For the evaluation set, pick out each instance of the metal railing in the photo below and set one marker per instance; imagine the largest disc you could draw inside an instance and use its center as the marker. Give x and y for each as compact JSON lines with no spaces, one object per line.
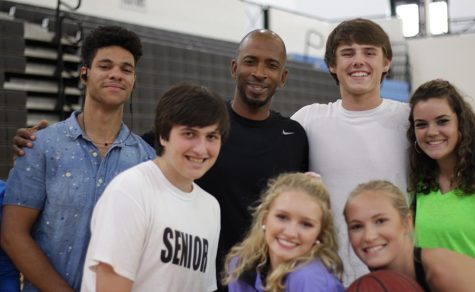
{"x":60,"y":16}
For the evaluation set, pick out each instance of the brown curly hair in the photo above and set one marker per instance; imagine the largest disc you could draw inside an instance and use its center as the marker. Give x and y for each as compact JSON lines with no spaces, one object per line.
{"x":423,"y":172}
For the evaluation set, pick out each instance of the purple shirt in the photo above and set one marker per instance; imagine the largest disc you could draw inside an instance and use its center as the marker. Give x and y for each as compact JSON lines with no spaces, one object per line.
{"x":311,"y":277}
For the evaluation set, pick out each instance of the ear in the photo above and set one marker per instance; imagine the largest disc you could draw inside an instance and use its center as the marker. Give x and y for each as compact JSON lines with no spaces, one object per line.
{"x":82,"y":74}
{"x":234,"y":69}
{"x":283,"y":78}
{"x":409,"y":224}
{"x":163,"y":141}
{"x":332,"y":69}
{"x":387,"y":65}
{"x":264,"y":219}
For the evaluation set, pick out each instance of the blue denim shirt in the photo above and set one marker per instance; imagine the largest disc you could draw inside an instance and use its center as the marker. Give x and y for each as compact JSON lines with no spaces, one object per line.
{"x":9,"y":276}
{"x":63,"y":175}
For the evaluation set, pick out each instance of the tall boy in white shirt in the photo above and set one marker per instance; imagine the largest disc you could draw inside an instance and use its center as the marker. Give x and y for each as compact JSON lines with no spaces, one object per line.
{"x":361,"y":136}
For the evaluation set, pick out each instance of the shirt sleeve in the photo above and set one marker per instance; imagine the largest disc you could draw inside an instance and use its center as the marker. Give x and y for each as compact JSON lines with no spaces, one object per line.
{"x":300,"y":116}
{"x":211,"y":273}
{"x":118,"y":230}
{"x":313,"y":278}
{"x":26,"y":184}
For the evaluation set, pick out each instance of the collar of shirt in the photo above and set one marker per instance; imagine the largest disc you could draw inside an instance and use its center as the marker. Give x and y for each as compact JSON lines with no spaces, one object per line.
{"x":75,"y":131}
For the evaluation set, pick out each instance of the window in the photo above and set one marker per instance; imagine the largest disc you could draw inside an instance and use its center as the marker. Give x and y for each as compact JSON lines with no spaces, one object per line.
{"x":438,"y":18}
{"x":411,"y":24}
{"x":409,"y":13}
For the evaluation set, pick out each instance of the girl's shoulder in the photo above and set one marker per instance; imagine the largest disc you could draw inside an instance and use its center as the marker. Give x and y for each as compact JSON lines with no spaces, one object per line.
{"x":312,"y":276}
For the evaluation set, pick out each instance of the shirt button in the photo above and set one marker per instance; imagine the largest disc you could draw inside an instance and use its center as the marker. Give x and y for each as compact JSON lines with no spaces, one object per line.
{"x":94,"y":154}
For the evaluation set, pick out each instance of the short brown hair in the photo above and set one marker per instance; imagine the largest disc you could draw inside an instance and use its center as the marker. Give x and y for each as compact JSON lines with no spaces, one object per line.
{"x":358,"y":30}
{"x":189,"y":105}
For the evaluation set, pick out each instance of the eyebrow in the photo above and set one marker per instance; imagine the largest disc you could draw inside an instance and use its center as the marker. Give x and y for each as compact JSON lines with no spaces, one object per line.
{"x":266,"y":60}
{"x":364,"y":47}
{"x":377,"y":215}
{"x":301,"y":217}
{"x":346,"y":50}
{"x":372,"y":217}
{"x":438,"y":117}
{"x":215,"y":131}
{"x":106,"y":60}
{"x":196,"y":129}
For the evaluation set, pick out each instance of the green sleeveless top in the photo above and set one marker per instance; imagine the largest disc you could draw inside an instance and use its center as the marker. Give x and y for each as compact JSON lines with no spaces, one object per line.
{"x":447,"y":221}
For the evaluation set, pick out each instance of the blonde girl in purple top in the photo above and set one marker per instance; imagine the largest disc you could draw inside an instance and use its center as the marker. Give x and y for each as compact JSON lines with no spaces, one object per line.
{"x":291,"y":245}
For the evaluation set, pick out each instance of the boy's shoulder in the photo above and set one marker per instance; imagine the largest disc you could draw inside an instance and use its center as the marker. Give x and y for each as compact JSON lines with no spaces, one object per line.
{"x":205,"y":196}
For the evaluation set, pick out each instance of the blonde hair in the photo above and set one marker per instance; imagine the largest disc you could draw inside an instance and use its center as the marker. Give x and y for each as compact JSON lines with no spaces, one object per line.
{"x":387,"y":189}
{"x":253,"y":250}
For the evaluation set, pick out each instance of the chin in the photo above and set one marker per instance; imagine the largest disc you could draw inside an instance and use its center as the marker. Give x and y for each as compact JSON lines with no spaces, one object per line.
{"x":375,"y":265}
{"x":199,"y":174}
{"x":256,"y":102}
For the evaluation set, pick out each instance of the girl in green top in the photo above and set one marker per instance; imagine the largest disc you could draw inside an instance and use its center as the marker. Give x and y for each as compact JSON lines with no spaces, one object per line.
{"x":442,"y":167}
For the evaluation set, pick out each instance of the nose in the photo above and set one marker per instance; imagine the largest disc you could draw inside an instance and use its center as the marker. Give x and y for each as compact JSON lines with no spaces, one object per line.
{"x":290,"y":230}
{"x":115,"y":73}
{"x":260,"y":71}
{"x":369,"y":234}
{"x":432,"y":130}
{"x":200,"y":146}
{"x":358,"y":59}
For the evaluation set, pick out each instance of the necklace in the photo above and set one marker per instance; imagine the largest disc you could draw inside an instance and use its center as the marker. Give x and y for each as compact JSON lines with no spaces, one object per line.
{"x":98,"y":144}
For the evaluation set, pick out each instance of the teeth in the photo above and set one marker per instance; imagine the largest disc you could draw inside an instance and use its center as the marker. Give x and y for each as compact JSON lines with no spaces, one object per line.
{"x":435,"y":142}
{"x":257,"y":87}
{"x":286,"y":243}
{"x":359,"y":74}
{"x":197,"y":160}
{"x":373,"y":248}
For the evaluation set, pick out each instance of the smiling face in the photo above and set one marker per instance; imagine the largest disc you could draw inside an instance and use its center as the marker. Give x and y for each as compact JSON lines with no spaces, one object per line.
{"x":293,"y":225}
{"x":436,"y":129}
{"x":111,"y":78}
{"x":378,"y":234}
{"x":359,"y":68}
{"x":188,"y":153}
{"x":259,"y":69}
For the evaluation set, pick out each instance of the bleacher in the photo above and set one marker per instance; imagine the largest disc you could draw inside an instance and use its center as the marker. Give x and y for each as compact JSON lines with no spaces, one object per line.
{"x":27,"y":71}
{"x":12,"y":103}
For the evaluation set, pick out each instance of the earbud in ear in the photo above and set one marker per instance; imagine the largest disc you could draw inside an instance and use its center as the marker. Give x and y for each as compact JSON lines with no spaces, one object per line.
{"x":84,"y":76}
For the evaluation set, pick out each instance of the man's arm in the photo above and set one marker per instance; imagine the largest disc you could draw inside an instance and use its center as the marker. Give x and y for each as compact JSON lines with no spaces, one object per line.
{"x":107,"y":280}
{"x":25,"y":136}
{"x":25,"y":253}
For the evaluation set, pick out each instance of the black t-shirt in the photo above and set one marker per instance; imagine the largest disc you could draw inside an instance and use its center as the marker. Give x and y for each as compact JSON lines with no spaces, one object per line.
{"x":254,"y":152}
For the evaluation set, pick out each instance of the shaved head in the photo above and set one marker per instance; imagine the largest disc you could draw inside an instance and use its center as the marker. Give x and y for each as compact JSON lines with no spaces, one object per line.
{"x":262,"y":34}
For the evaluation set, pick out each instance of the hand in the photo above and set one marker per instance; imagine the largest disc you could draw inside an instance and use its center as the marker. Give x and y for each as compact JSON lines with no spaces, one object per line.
{"x":25,"y":136}
{"x":314,"y":175}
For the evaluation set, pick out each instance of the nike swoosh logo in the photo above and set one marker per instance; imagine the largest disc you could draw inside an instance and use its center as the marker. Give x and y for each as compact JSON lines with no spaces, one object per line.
{"x":287,"y":133}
